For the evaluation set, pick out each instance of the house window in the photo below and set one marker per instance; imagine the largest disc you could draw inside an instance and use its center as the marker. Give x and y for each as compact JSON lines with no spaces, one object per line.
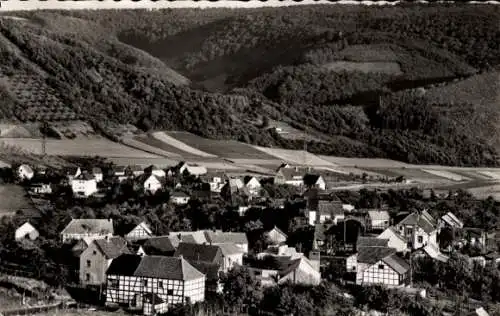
{"x":94,"y":252}
{"x":170,"y":292}
{"x":114,"y":284}
{"x":145,"y":282}
{"x":160,"y":284}
{"x":420,"y":239}
{"x":381,"y":266}
{"x":88,"y":263}
{"x":87,"y":277}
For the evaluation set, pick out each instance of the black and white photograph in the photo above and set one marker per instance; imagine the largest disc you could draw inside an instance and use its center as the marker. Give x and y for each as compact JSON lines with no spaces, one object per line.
{"x":249,"y":158}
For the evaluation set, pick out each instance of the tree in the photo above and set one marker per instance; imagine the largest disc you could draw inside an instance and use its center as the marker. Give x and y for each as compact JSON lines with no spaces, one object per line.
{"x":241,"y":289}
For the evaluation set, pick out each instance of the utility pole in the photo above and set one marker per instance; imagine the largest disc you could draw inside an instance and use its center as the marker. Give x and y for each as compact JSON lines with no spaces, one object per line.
{"x":44,"y":138}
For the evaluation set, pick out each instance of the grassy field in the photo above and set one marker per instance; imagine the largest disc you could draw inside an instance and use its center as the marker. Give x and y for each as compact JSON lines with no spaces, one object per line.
{"x":174,"y":139}
{"x":143,"y":143}
{"x":446,"y":174}
{"x":77,"y":147}
{"x":380,"y":67}
{"x":223,"y":148}
{"x":82,"y":312}
{"x":295,"y":156}
{"x":13,"y":198}
{"x":364,"y":162}
{"x":152,"y":141}
{"x":409,"y":174}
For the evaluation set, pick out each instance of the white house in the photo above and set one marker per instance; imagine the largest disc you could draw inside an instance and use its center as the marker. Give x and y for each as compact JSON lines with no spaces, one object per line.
{"x":396,"y":240}
{"x":378,"y":219}
{"x":25,"y":172}
{"x":253,"y":185}
{"x":192,"y":169}
{"x":41,"y":188}
{"x":216,"y":184}
{"x":219,"y":237}
{"x":26,"y":231}
{"x":290,"y":176}
{"x":419,"y":229}
{"x":154,"y":170}
{"x":301,"y":271}
{"x":231,"y":256}
{"x":84,"y":185}
{"x":150,"y":183}
{"x":179,"y":198}
{"x":87,"y":228}
{"x":450,"y":220}
{"x":326,"y":211}
{"x":140,"y":232}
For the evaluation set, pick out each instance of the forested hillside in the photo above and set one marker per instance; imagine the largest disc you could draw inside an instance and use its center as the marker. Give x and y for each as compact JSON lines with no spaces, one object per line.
{"x":378,"y":81}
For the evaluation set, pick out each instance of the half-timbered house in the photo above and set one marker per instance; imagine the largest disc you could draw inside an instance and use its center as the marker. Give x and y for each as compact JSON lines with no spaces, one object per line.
{"x":140,"y":232}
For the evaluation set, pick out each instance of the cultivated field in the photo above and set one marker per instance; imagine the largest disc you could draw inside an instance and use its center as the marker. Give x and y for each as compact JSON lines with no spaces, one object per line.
{"x":143,"y":143}
{"x":174,"y":139}
{"x":366,"y":67}
{"x":13,"y":198}
{"x":77,"y":147}
{"x":223,"y":148}
{"x":364,"y":162}
{"x":295,"y":156}
{"x":447,"y":175}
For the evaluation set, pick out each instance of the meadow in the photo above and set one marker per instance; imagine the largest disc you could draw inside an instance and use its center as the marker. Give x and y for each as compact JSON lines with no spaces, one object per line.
{"x":392,"y":68}
{"x":13,"y":198}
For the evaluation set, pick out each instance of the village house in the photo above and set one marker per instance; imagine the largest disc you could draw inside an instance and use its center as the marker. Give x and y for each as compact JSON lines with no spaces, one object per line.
{"x":97,"y":173}
{"x":290,"y":176}
{"x":192,"y":169}
{"x":26,"y":231}
{"x":25,"y":172}
{"x":134,"y":171}
{"x":179,"y":198}
{"x":212,"y":275}
{"x":199,"y":252}
{"x":84,"y":185}
{"x":275,"y":236}
{"x":314,"y":181}
{"x":232,"y":256}
{"x":171,"y":279}
{"x":120,"y":173}
{"x":235,"y":187}
{"x":378,"y":220}
{"x":90,"y":228}
{"x":219,"y":237}
{"x":139,"y":232}
{"x":150,"y":183}
{"x":326,"y":211}
{"x":324,"y":237}
{"x":395,"y":240}
{"x":216,"y":183}
{"x":80,"y":245}
{"x":474,"y":237}
{"x":154,"y":170}
{"x":253,"y":185}
{"x":418,"y":229}
{"x":95,"y":260}
{"x":198,"y":237}
{"x":430,"y":251}
{"x":378,"y":266}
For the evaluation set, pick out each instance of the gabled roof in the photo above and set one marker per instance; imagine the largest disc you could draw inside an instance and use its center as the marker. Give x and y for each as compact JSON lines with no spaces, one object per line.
{"x":86,"y":226}
{"x":372,"y":242}
{"x":450,"y":219}
{"x":210,"y":270}
{"x":247,"y":179}
{"x":27,"y":225}
{"x":293,"y":173}
{"x":142,"y":224}
{"x":145,"y":176}
{"x":226,"y":237}
{"x":198,"y":236}
{"x":279,"y":231}
{"x":372,"y":255}
{"x":379,"y":215}
{"x":422,"y":220}
{"x":112,"y":247}
{"x":294,"y":264}
{"x":394,"y":232}
{"x":434,"y":253}
{"x":169,"y":268}
{"x":159,"y":245}
{"x":311,"y":179}
{"x":125,"y":264}
{"x":198,"y":252}
{"x":396,"y":263}
{"x":229,"y":249}
{"x":188,"y":239}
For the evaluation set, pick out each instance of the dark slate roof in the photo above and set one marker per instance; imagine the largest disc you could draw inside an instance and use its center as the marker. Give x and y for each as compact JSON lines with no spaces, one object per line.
{"x":371,"y":242}
{"x":189,"y":239}
{"x":371,"y":255}
{"x":311,"y":179}
{"x":84,"y":226}
{"x":85,"y":176}
{"x":226,"y":237}
{"x":293,"y":173}
{"x":397,"y":263}
{"x":159,"y":245}
{"x":330,"y":207}
{"x":210,"y":270}
{"x":229,"y":249}
{"x":421,"y":220}
{"x":112,"y":247}
{"x":197,"y":252}
{"x":125,"y":264}
{"x":292,"y":265}
{"x":169,"y":268}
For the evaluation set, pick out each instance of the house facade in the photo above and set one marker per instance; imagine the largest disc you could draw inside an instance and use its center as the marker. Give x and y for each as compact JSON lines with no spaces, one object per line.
{"x":275,"y":236}
{"x":41,"y":188}
{"x":418,"y":229}
{"x":95,"y":260}
{"x":253,"y":185}
{"x":25,"y":172}
{"x":378,"y":220}
{"x":314,"y":181}
{"x":231,"y":256}
{"x":26,"y":231}
{"x":179,"y":198}
{"x":300,"y":271}
{"x":98,"y":175}
{"x":194,"y":170}
{"x":151,"y":184}
{"x":173,"y":280}
{"x":84,"y":185}
{"x":140,"y":232}
{"x":219,"y":237}
{"x":395,"y":240}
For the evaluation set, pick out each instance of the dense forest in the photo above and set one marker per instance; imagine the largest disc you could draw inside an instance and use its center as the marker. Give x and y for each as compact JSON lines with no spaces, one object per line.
{"x":348,"y":72}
